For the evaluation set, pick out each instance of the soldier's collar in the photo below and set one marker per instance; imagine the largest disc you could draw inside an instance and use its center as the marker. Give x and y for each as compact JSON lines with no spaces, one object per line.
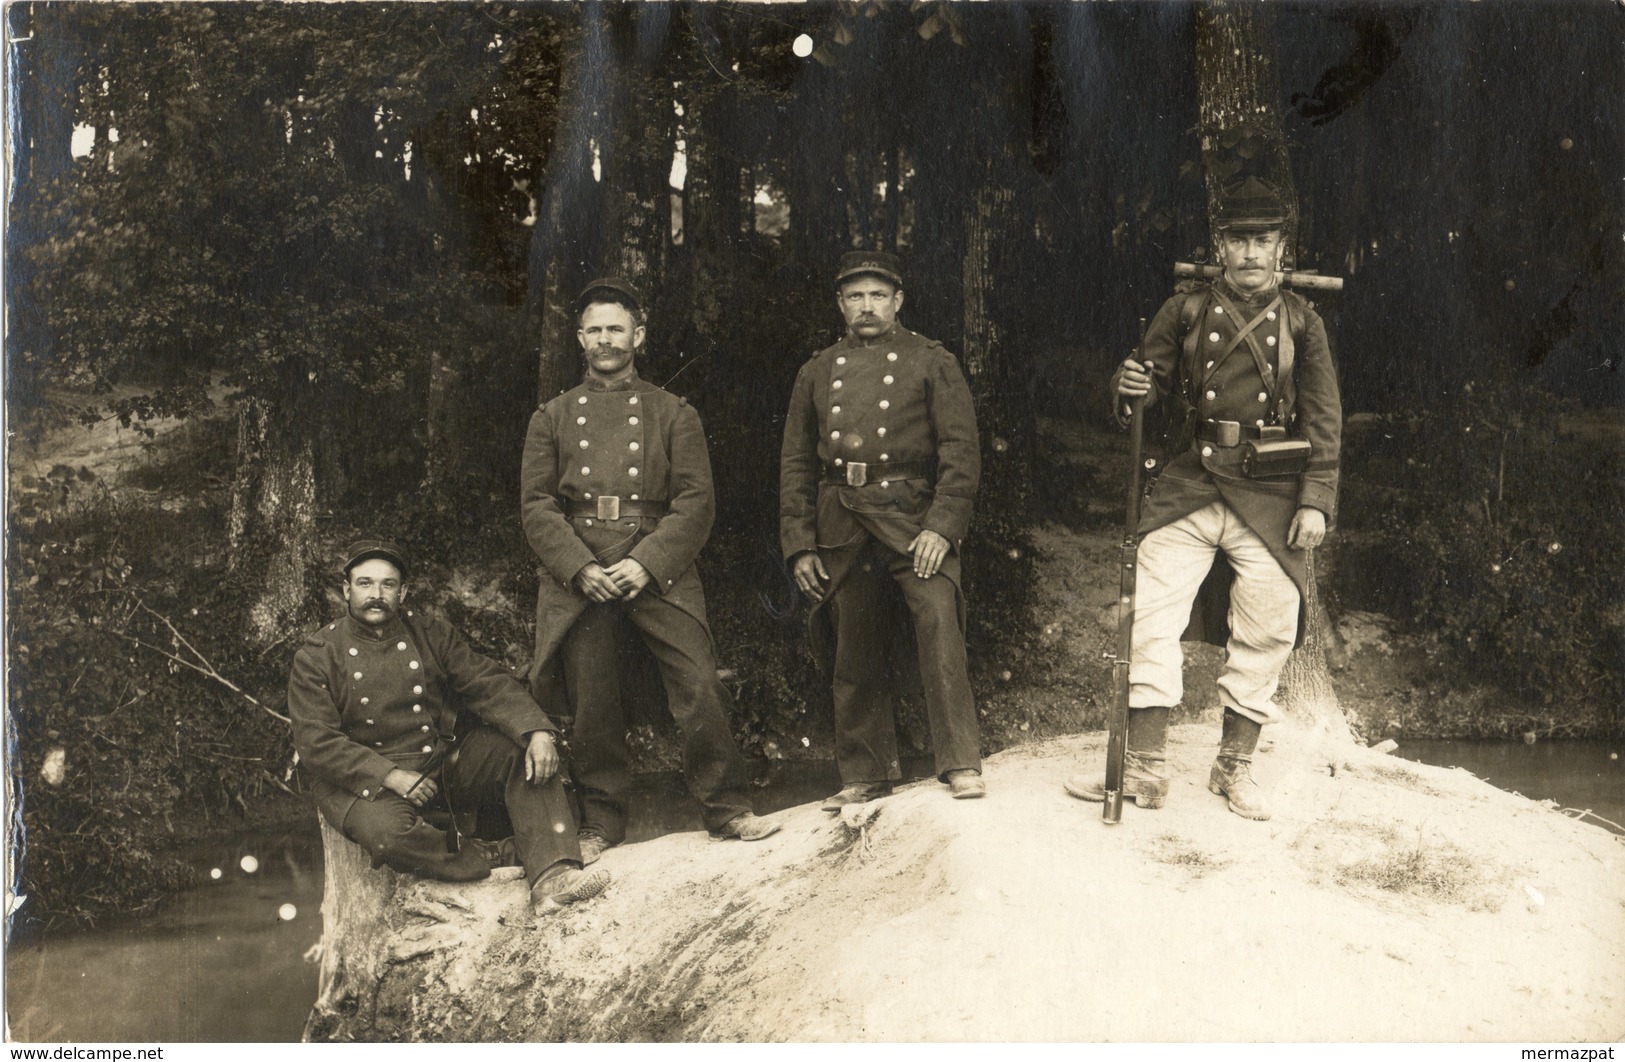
{"x":631,"y":382}
{"x":888,"y":336}
{"x":367,"y":632}
{"x":1255,"y":301}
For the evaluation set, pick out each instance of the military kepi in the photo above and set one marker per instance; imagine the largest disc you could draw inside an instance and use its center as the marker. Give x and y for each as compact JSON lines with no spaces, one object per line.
{"x":604,"y":285}
{"x":368,"y":548}
{"x":879,"y":263}
{"x":1251,"y":204}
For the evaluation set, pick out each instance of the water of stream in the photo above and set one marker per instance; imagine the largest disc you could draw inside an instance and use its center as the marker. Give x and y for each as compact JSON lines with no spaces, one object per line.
{"x":224,"y":962}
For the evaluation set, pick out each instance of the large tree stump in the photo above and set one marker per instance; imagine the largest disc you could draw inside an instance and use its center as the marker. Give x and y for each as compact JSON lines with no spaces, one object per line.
{"x":354,"y":933}
{"x":381,"y":931}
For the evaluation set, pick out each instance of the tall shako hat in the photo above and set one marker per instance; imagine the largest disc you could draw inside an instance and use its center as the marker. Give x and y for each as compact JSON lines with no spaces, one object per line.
{"x":620,"y":286}
{"x":368,"y":548}
{"x":1251,"y":204}
{"x":879,"y":263}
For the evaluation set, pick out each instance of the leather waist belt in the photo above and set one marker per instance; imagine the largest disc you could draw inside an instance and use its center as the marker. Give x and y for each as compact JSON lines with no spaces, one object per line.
{"x":1227,"y":432}
{"x":610,"y":507}
{"x":858,"y":473}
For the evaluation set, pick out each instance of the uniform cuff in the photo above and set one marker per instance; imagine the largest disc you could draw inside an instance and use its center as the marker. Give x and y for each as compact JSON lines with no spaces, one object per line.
{"x":1318,"y":496}
{"x":372,"y":788}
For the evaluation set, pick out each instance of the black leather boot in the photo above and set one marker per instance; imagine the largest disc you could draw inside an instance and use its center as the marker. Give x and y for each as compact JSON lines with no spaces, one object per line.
{"x":1145,"y":763}
{"x":1232,"y":774}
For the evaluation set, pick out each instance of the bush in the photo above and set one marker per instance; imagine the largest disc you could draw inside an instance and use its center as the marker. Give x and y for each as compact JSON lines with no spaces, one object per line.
{"x":121,"y":746}
{"x":1490,"y":530}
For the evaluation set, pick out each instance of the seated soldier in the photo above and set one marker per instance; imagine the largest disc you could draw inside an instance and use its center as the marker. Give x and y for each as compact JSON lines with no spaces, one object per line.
{"x":374,"y":697}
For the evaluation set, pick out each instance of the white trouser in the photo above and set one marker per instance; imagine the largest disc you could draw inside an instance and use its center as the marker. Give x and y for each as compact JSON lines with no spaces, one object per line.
{"x":1173,"y":561}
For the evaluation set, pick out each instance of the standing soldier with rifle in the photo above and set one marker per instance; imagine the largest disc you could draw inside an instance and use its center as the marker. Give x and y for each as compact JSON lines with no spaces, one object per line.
{"x":1229,"y":524}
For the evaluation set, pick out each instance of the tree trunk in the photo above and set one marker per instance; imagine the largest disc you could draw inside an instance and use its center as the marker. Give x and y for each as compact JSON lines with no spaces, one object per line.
{"x":567,"y":222}
{"x":355,"y":932}
{"x":993,"y":234}
{"x":712,"y":220}
{"x":1239,"y":113}
{"x":1242,"y":135}
{"x":271,"y":530}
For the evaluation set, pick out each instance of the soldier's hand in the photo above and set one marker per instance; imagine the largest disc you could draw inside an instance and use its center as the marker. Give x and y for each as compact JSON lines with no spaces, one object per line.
{"x":1133,"y":379}
{"x":594,"y":582}
{"x":417,"y":789}
{"x":1308,"y":528}
{"x":541,"y":757}
{"x":629,"y":576}
{"x":810,"y":575}
{"x":929,"y":549}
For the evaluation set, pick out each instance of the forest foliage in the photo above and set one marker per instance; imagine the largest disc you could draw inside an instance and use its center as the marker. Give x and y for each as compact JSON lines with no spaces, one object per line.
{"x":362,"y":225}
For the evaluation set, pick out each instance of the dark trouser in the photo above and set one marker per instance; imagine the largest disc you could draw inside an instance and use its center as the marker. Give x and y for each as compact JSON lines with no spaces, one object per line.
{"x":487,"y":769}
{"x":600,"y":760}
{"x":865,"y":715}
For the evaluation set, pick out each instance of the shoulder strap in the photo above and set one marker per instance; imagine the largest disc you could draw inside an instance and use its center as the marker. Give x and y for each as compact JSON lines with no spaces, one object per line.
{"x":1190,"y":311}
{"x":1287,"y":393}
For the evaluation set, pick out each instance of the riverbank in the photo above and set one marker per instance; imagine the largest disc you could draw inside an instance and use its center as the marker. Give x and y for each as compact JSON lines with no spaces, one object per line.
{"x":217,"y":962}
{"x":1385,"y":901}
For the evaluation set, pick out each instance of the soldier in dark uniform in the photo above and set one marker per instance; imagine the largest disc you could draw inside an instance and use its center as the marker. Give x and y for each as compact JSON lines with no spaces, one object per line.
{"x":374,"y":698}
{"x":877,"y":478}
{"x":1246,"y":360}
{"x":616,"y":498}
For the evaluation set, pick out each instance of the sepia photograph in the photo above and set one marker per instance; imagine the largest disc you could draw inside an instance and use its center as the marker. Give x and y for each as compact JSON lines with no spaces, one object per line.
{"x":880,"y":522}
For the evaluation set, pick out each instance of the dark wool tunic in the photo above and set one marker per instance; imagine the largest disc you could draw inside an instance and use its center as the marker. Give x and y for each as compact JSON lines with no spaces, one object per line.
{"x":630,"y":440}
{"x":366,"y":700}
{"x":895,"y":402}
{"x":1232,"y":388}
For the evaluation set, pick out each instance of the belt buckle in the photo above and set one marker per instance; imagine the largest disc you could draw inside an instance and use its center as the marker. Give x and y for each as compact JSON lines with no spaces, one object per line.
{"x":1229,"y":432}
{"x":857,"y":473}
{"x":609,"y":507}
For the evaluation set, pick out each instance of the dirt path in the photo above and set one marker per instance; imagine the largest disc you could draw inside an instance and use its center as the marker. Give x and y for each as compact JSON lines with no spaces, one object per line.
{"x":1385,"y":901}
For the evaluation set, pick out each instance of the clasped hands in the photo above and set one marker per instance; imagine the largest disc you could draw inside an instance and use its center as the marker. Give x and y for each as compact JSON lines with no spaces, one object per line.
{"x":620,"y":581}
{"x":929,"y":550}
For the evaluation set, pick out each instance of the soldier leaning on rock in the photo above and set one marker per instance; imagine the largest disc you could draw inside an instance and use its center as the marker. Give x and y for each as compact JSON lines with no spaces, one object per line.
{"x":616,"y":500}
{"x":1249,"y":363}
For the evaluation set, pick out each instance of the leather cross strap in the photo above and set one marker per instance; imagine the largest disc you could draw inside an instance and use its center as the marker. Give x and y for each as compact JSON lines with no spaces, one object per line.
{"x":1244,"y":335}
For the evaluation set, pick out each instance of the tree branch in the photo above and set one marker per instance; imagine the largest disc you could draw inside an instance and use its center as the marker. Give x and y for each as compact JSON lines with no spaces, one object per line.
{"x":204,"y":668}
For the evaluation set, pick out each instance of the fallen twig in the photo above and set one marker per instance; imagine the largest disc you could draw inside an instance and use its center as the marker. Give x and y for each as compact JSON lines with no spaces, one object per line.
{"x":1581,"y":813}
{"x":277,"y":782}
{"x":208,"y":672}
{"x":206,"y":669}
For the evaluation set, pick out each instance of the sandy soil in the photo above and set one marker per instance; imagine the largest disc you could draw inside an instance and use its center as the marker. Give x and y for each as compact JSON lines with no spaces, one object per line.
{"x":1385,"y":901}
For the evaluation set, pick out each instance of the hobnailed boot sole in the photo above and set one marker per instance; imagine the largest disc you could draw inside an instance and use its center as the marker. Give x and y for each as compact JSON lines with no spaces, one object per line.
{"x":573,"y":886}
{"x":1219,"y":783}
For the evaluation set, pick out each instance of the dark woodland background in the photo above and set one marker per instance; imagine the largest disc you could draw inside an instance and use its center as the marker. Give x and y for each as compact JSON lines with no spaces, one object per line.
{"x":341,"y":240}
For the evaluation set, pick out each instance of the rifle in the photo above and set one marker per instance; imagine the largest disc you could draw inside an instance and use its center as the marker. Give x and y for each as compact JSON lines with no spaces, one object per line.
{"x":1111,"y":812}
